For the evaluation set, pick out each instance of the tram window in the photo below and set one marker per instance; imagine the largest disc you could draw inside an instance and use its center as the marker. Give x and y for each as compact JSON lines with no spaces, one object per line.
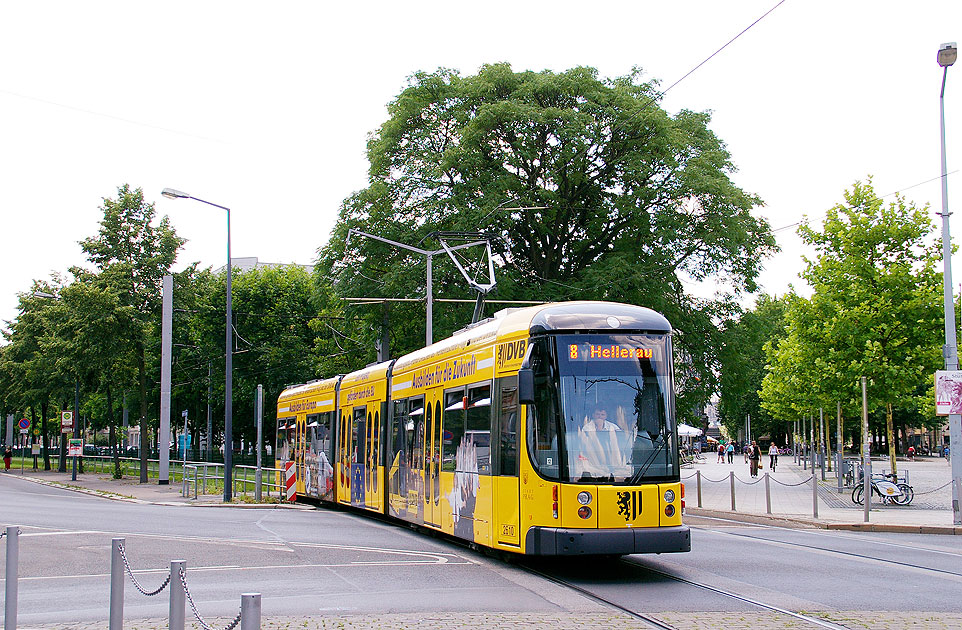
{"x":452,"y":427}
{"x":324,"y":421}
{"x":414,"y":427}
{"x":543,"y":427}
{"x":507,"y":429}
{"x":478,"y":425}
{"x":359,"y":454}
{"x":397,"y":434}
{"x":283,"y":445}
{"x":311,"y":426}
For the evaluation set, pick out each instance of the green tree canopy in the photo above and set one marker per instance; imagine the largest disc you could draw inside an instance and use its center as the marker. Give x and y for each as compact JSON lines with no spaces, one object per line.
{"x":875,"y":310}
{"x":742,"y":359}
{"x":131,"y":255}
{"x":589,"y":188}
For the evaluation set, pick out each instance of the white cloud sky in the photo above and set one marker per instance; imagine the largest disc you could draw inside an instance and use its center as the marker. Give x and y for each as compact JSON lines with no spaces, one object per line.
{"x":265,"y":107}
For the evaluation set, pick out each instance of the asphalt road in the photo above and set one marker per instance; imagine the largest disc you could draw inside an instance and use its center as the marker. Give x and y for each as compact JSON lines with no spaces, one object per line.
{"x":312,"y":562}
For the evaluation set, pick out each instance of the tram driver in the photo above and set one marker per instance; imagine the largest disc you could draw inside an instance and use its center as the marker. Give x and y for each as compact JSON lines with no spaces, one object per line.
{"x":601,"y":443}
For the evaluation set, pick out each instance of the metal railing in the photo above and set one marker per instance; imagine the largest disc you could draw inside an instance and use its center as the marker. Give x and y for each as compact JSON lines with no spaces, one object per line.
{"x":203,"y":479}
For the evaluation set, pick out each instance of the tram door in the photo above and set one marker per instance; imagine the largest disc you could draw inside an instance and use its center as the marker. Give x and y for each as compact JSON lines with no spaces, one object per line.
{"x":344,"y":457}
{"x":372,"y":458}
{"x":359,"y":450}
{"x":432,"y":459}
{"x":506,"y":493}
{"x":299,"y":448}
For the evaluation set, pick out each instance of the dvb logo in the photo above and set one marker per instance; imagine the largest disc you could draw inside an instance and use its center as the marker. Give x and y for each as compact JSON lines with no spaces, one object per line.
{"x":510,"y":353}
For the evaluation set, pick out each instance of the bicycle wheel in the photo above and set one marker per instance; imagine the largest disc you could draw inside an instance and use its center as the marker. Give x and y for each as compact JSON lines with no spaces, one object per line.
{"x":907,"y":494}
{"x":857,"y":494}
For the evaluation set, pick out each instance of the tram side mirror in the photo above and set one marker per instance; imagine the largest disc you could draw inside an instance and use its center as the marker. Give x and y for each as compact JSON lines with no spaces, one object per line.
{"x":526,"y":386}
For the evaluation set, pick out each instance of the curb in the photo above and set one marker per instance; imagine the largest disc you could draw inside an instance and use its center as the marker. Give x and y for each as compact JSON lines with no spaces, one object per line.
{"x":948,"y":530}
{"x":783,"y":521}
{"x":113,"y":496}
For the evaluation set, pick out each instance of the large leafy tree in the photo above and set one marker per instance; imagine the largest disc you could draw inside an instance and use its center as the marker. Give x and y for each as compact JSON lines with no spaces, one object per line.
{"x":131,"y":255}
{"x":89,"y":343}
{"x":742,"y":359}
{"x":29,"y":375}
{"x":589,"y":189}
{"x":273,"y":311}
{"x":875,"y":310}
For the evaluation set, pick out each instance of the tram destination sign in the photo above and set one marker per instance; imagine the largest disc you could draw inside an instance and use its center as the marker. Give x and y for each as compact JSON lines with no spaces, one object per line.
{"x":607,"y":352}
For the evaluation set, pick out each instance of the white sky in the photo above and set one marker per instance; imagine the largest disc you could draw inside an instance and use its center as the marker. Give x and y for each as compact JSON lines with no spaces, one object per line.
{"x":265,"y":107}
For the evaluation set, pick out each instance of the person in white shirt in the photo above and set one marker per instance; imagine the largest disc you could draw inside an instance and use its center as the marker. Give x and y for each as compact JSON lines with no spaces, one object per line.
{"x":772,"y":456}
{"x":601,"y":454}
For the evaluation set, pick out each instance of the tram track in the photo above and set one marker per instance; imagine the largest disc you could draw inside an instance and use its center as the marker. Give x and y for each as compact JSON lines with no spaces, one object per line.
{"x":654,"y":622}
{"x":848,"y":554}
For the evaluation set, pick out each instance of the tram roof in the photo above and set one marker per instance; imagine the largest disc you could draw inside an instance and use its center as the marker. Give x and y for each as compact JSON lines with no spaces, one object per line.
{"x":596,"y":316}
{"x":314,"y":387}
{"x":542,"y":318}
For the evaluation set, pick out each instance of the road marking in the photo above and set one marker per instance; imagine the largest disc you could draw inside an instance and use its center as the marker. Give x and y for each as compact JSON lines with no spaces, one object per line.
{"x":276,"y":567}
{"x":61,"y":533}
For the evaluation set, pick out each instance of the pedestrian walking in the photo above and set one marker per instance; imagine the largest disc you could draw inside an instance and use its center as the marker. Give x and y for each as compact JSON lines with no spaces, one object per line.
{"x":721,"y":453}
{"x":772,"y":456}
{"x":730,"y":451}
{"x":7,"y":456}
{"x":754,"y":456}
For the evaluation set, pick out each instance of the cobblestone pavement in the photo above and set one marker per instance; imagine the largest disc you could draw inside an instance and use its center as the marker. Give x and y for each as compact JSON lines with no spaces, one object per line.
{"x":860,"y":620}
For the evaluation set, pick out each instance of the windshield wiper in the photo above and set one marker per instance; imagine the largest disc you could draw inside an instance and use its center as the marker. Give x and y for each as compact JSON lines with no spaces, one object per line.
{"x":640,"y":473}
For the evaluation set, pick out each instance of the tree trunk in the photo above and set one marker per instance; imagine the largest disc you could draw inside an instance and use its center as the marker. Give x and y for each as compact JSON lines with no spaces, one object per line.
{"x":142,"y":379}
{"x":45,"y":436}
{"x":839,"y":434}
{"x":889,"y":437}
{"x":62,"y":462}
{"x":112,"y":433}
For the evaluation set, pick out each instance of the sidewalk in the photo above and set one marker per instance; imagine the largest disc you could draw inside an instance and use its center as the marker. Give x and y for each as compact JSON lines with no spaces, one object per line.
{"x":130,"y":489}
{"x":791,"y":496}
{"x":790,"y":486}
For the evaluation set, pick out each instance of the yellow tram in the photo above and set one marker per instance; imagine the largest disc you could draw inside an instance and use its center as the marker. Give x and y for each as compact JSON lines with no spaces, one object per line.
{"x":546,"y":430}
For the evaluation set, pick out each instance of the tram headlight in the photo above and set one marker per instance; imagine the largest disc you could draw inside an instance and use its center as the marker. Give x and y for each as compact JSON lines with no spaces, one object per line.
{"x":669,"y":510}
{"x":584,"y":497}
{"x":669,"y":496}
{"x":584,"y":511}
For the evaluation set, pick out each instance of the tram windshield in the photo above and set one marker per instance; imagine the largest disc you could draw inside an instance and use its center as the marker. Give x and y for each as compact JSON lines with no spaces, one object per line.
{"x":616,"y":421}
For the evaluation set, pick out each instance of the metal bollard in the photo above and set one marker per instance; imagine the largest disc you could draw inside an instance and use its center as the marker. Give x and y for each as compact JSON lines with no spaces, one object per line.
{"x":250,"y":611}
{"x":178,"y":598}
{"x":13,"y":561}
{"x":814,"y":495}
{"x":768,"y":495}
{"x":698,"y":485}
{"x":116,"y":585}
{"x":731,"y":477}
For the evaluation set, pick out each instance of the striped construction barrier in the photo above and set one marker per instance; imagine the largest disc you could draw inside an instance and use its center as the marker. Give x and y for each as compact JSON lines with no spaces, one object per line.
{"x":291,"y":481}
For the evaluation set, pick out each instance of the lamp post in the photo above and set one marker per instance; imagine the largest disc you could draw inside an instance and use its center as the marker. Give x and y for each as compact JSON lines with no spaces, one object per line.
{"x":170,"y":193}
{"x":947,"y":56}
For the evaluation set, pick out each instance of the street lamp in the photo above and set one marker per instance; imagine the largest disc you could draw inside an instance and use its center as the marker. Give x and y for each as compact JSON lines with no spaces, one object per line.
{"x":170,"y":193}
{"x":947,"y":56}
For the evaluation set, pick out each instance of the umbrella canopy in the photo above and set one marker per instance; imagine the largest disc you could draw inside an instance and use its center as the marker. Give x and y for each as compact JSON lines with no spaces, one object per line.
{"x":687,"y":430}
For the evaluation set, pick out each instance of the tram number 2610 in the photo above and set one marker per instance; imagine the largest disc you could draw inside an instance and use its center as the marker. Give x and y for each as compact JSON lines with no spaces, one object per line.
{"x":507,"y":530}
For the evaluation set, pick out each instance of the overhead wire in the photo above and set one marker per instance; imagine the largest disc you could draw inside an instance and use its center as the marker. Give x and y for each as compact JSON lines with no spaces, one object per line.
{"x":895,"y":192}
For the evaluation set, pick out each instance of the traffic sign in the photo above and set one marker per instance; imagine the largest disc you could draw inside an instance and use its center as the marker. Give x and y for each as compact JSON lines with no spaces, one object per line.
{"x":66,"y":422}
{"x":24,"y":423}
{"x":75,"y":448}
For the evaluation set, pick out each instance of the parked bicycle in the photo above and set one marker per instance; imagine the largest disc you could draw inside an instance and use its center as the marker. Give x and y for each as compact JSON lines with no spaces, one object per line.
{"x":888,"y":488}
